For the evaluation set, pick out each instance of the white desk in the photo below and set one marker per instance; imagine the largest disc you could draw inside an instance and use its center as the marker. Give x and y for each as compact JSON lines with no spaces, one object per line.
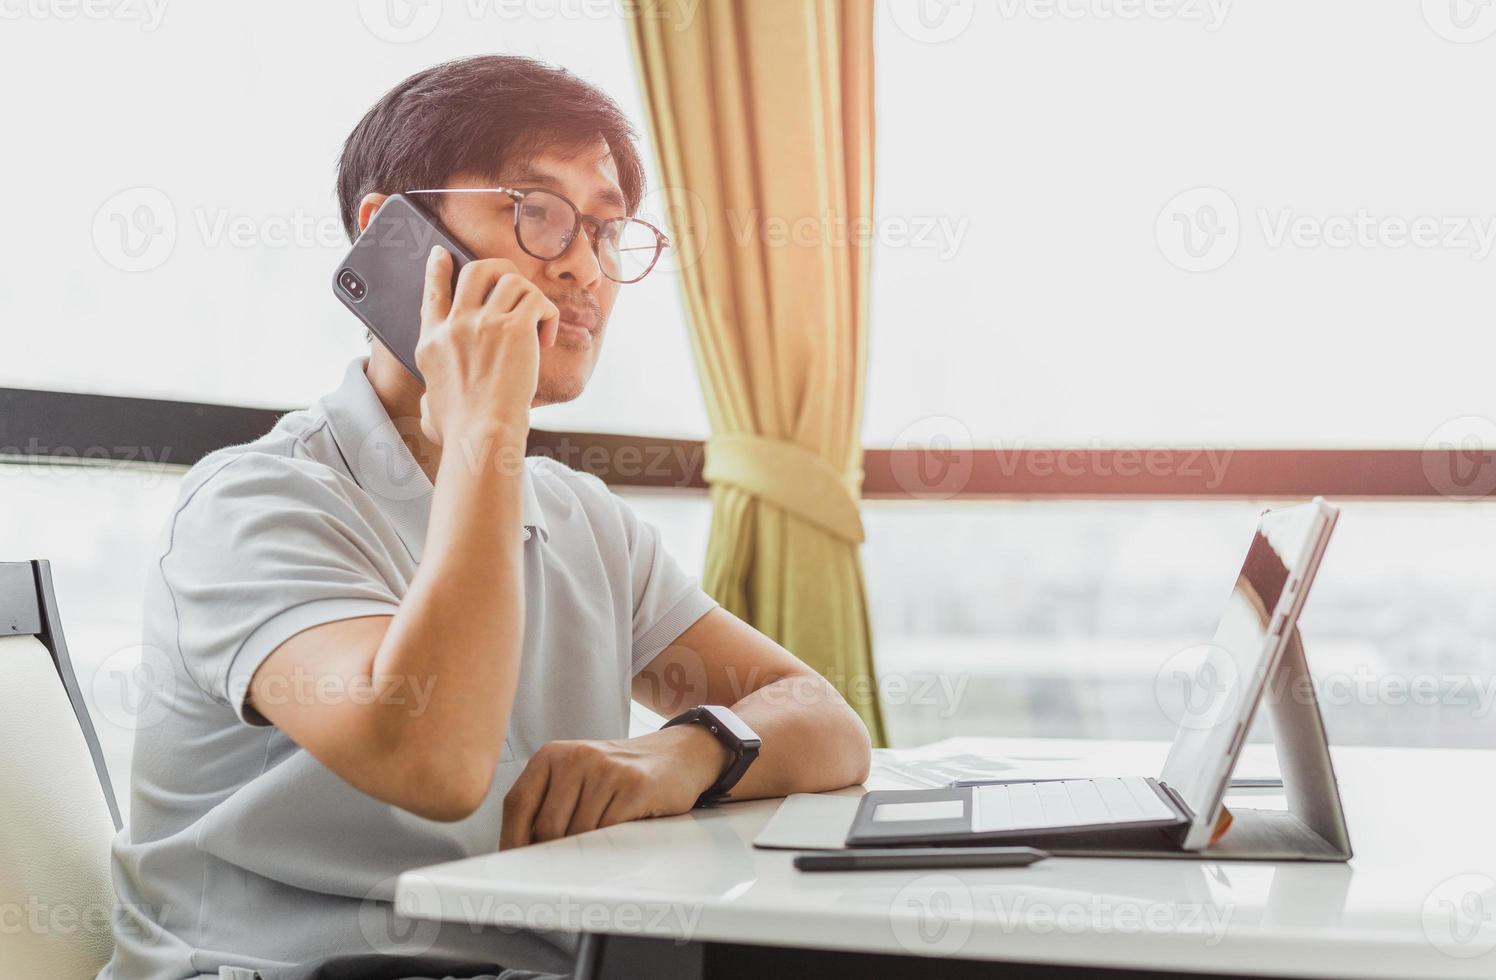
{"x":1418,"y":899}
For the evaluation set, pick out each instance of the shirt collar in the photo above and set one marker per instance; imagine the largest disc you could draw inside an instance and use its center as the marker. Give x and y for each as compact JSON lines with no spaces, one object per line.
{"x":382,"y":465}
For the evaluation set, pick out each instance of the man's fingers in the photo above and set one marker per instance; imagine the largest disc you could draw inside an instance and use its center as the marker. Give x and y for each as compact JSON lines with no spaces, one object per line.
{"x":520,"y":804}
{"x":535,"y":308}
{"x":477,"y":279}
{"x":436,"y":300}
{"x":594,"y":801}
{"x":561,"y":796}
{"x":550,"y":324}
{"x":620,"y":809}
{"x":509,"y":291}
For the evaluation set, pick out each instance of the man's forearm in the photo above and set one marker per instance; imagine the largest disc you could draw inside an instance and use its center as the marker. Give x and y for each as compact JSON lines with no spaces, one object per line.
{"x":812,"y":739}
{"x":461,"y":626}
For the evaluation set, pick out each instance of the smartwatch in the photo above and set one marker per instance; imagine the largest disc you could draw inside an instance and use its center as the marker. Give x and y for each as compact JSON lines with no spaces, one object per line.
{"x":742,"y":741}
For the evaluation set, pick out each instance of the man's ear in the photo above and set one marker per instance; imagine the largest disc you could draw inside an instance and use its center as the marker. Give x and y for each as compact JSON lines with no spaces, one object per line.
{"x":367,"y":207}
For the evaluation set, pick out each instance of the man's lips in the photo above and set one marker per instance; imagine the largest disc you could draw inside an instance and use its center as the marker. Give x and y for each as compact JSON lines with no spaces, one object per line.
{"x":579,"y":320}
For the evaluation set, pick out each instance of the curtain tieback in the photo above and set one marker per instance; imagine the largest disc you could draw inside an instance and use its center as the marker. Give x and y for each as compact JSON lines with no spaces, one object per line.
{"x":790,"y":477}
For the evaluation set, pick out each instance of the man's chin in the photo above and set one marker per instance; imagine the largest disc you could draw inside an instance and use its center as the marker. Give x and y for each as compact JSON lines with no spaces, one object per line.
{"x":565,"y":369}
{"x":553,"y":388}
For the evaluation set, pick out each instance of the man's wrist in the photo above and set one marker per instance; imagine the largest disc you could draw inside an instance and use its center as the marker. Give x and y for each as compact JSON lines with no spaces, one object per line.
{"x":494,"y":446}
{"x":703,"y":758}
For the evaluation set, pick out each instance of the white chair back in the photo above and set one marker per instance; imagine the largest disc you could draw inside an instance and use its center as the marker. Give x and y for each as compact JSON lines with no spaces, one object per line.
{"x":57,"y":810}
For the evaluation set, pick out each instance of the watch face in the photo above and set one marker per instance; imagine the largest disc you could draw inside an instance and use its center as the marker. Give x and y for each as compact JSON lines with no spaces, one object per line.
{"x":733,"y":725}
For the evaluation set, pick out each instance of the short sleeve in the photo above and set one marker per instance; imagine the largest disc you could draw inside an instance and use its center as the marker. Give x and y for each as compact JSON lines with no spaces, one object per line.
{"x":666,"y":599}
{"x":259,"y":550}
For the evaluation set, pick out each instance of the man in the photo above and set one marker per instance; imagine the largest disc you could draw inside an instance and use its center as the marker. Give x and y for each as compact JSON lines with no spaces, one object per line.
{"x":388,"y":640}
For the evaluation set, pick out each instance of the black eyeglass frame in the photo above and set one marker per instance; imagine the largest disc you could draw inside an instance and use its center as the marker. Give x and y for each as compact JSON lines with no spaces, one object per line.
{"x":593,"y":223}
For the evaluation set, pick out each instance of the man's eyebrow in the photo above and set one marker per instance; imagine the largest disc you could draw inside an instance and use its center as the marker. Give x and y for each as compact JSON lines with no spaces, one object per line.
{"x":535,"y":178}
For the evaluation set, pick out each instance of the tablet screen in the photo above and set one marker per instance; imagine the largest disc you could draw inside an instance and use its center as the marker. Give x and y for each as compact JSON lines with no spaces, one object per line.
{"x":1210,"y":691}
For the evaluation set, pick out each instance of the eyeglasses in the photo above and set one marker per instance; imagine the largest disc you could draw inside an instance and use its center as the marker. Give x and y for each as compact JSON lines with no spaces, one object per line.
{"x":546,"y":223}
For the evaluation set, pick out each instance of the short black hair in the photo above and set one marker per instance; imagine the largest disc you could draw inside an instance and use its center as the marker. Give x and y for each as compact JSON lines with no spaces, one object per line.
{"x":478,"y":115}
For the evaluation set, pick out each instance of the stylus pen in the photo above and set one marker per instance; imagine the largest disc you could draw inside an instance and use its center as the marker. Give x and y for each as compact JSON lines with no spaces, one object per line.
{"x":909,"y":858}
{"x":1243,"y":782}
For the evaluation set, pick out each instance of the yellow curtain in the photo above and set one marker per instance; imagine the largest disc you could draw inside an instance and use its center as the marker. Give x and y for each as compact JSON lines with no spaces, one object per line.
{"x":762,"y":113}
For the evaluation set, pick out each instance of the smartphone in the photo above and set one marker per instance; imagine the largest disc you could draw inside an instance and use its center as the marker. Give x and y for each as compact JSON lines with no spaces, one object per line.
{"x":383,"y":276}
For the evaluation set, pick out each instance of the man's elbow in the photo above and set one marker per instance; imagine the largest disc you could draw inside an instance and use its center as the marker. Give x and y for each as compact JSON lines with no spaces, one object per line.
{"x":860,"y":751}
{"x":424,"y":773}
{"x":447,"y":793}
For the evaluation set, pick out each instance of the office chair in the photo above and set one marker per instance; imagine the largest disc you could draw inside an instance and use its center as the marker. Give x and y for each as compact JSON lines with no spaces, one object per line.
{"x":57,"y":809}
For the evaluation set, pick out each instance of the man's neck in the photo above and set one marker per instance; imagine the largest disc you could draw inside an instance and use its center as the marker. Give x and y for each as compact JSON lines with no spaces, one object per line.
{"x":400,"y":394}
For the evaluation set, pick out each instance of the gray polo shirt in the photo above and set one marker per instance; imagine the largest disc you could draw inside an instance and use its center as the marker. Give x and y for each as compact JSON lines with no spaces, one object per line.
{"x":242,"y":849}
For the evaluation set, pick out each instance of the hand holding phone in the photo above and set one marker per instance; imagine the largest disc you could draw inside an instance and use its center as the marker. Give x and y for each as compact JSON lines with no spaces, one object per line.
{"x":479,"y":348}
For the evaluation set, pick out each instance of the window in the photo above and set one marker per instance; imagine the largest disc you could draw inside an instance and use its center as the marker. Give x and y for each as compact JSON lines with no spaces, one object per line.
{"x":1221,"y":225}
{"x":1037,"y":167}
{"x":1060,"y":617}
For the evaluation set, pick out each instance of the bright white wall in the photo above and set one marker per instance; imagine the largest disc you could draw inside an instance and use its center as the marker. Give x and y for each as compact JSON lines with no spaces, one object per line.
{"x":218,"y":127}
{"x":1055,"y":134}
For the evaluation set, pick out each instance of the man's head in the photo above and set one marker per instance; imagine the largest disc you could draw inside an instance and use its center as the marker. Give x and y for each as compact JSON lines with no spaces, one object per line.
{"x":501,"y":120}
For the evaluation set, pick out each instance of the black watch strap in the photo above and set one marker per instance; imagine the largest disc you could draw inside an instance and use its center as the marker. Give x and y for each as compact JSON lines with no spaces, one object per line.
{"x":742,"y":741}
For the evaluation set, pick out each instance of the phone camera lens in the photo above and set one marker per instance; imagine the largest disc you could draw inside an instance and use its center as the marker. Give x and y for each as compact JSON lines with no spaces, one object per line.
{"x":351,"y":284}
